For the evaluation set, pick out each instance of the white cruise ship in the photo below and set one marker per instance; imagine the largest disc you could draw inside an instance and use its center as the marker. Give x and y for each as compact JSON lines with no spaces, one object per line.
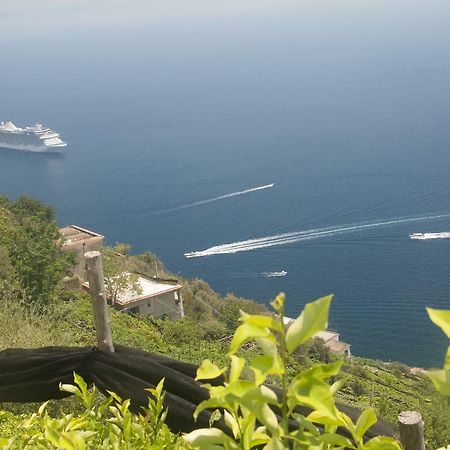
{"x":33,"y":139}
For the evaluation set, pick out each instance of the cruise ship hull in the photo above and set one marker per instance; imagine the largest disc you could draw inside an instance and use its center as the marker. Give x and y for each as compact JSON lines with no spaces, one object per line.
{"x":60,"y":148}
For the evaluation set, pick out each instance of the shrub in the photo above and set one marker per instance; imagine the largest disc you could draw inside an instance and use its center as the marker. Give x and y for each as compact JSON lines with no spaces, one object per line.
{"x":107,"y":425}
{"x":399,"y":369}
{"x":246,"y":404}
{"x":182,"y":331}
{"x":357,"y":388}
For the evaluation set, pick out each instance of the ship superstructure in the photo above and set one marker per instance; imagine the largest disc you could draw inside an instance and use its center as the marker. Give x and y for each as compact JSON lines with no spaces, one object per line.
{"x":36,"y":138}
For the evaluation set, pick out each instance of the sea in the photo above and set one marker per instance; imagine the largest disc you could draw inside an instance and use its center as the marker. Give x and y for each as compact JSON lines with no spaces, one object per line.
{"x":286,"y":146}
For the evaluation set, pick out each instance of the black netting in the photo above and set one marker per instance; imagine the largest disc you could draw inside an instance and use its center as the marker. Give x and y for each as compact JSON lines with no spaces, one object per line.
{"x":33,"y":375}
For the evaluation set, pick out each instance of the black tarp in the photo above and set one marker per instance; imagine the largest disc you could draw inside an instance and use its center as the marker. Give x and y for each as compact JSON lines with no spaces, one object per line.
{"x":34,"y":375}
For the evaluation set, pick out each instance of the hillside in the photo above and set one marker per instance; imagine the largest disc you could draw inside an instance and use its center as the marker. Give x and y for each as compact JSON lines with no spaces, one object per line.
{"x":63,"y":317}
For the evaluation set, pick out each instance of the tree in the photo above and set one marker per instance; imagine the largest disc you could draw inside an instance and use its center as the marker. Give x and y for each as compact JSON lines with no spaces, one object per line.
{"x":118,"y":278}
{"x":31,"y":246}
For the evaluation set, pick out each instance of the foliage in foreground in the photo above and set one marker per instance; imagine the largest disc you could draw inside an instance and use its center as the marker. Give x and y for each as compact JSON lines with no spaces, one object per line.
{"x":441,"y":378}
{"x":245,"y":404}
{"x":108,"y":425}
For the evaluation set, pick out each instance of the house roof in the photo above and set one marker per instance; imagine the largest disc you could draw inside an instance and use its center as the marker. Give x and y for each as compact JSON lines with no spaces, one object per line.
{"x":73,"y":234}
{"x":338,"y":346}
{"x":149,"y":288}
{"x":327,"y":335}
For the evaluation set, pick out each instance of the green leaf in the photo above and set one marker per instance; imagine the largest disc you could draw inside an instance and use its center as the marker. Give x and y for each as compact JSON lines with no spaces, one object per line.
{"x":231,"y":423}
{"x":269,"y":345}
{"x":263,"y":366}
{"x":382,"y":443}
{"x":246,"y":332}
{"x":275,"y":444}
{"x":262,"y":412}
{"x":261,"y":321}
{"x":317,"y":395}
{"x":209,"y":404}
{"x":338,"y":385}
{"x":441,"y":318}
{"x":237,"y":365}
{"x":337,"y":440}
{"x":268,"y":394}
{"x":43,"y":407}
{"x":70,"y":388}
{"x":314,"y":318}
{"x":447,"y":359}
{"x":80,"y":383}
{"x":208,"y":371}
{"x":206,"y":436}
{"x":322,"y":371}
{"x":441,"y":380}
{"x":367,"y":419}
{"x":278,"y":303}
{"x":160,"y":387}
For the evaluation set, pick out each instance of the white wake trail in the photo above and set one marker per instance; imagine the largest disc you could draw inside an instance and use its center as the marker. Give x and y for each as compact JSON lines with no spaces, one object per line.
{"x":215,"y":199}
{"x":289,"y":238}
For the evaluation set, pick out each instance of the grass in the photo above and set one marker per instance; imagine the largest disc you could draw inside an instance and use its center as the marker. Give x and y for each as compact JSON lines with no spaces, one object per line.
{"x":390,"y":388}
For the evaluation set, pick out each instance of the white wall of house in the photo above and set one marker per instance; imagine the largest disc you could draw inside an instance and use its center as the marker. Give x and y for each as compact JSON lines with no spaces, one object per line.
{"x":169,"y":304}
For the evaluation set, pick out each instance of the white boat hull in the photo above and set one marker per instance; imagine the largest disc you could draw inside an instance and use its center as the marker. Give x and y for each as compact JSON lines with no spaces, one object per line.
{"x":428,"y":236}
{"x":59,"y":148}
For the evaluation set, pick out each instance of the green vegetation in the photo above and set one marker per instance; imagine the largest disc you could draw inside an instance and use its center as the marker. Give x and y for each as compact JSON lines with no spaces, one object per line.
{"x":245,"y":403}
{"x":108,"y":424}
{"x":31,"y":259}
{"x":37,"y":311}
{"x":118,"y":278}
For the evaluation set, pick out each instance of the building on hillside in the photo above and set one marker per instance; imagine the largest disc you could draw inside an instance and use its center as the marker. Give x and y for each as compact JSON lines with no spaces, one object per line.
{"x":333,"y":342}
{"x":79,"y":240}
{"x":155,"y":298}
{"x":330,"y":338}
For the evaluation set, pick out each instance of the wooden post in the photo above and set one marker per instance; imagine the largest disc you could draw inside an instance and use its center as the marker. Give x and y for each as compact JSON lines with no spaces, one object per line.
{"x":94,"y":268}
{"x":411,"y":430}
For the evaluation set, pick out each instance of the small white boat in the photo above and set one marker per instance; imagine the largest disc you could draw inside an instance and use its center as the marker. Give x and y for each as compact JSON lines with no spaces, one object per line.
{"x":282,"y":273}
{"x":427,"y":236}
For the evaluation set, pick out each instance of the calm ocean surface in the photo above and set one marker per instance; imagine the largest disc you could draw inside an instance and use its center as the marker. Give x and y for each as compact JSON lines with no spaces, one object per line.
{"x":345,"y":108}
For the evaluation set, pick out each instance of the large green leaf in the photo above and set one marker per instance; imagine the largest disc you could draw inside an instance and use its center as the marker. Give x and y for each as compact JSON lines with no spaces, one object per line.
{"x":365,"y":421}
{"x":246,"y":332}
{"x":208,"y":371}
{"x":210,"y":403}
{"x":321,"y":371}
{"x":447,"y":359}
{"x":314,"y":318}
{"x":337,"y":440}
{"x":206,"y":437}
{"x":262,"y":321}
{"x":441,"y":380}
{"x":441,"y":317}
{"x":263,"y":366}
{"x":382,"y":443}
{"x":316,"y":394}
{"x":237,"y":365}
{"x":231,"y":423}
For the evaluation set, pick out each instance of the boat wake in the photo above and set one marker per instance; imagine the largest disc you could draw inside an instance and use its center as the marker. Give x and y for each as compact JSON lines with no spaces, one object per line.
{"x":298,"y":236}
{"x":215,"y":199}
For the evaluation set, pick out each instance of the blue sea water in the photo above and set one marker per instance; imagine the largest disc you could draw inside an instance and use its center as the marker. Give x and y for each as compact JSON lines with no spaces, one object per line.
{"x":344,"y":106}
